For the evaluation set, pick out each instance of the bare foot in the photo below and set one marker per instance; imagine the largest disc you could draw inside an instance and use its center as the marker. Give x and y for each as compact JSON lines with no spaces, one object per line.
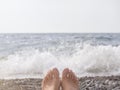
{"x":51,"y":80}
{"x":69,"y":80}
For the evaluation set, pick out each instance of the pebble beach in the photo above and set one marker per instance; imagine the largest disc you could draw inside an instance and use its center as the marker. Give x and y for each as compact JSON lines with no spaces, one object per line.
{"x":85,"y":83}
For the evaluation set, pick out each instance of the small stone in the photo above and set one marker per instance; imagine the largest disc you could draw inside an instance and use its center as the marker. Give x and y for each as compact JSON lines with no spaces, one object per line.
{"x":106,"y":81}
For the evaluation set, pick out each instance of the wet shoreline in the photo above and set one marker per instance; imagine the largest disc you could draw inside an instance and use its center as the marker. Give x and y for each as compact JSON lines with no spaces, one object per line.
{"x":86,"y":83}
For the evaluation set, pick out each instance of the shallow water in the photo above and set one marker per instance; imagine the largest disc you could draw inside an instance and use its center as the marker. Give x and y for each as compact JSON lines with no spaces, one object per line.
{"x":31,"y":55}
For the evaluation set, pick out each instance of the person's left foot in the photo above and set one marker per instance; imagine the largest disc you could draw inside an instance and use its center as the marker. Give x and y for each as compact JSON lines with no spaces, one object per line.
{"x":51,"y":80}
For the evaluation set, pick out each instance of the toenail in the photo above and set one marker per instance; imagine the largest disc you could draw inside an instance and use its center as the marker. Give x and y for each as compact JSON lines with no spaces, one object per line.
{"x":52,"y":76}
{"x":67,"y":75}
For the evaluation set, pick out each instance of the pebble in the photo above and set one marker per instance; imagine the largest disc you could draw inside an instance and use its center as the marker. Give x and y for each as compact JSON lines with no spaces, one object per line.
{"x":86,"y":83}
{"x":102,"y":83}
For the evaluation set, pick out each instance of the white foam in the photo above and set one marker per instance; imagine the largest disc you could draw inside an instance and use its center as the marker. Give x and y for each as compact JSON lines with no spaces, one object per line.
{"x":90,"y":60}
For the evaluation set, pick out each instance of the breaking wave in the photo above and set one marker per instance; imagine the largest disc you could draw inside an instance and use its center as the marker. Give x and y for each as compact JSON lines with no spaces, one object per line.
{"x":86,"y":61}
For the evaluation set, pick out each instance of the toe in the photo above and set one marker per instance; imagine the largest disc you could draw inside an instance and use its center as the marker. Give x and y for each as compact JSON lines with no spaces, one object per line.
{"x":70,"y":75}
{"x":46,"y":78}
{"x":65,"y":73}
{"x":49,"y":75}
{"x":56,"y":73}
{"x":73,"y":76}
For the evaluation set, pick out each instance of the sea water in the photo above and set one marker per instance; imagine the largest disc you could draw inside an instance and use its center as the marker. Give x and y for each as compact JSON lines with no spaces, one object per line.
{"x":32,"y":55}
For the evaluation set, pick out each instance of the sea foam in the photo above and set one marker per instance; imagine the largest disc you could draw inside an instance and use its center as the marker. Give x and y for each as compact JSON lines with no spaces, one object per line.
{"x":87,"y":60}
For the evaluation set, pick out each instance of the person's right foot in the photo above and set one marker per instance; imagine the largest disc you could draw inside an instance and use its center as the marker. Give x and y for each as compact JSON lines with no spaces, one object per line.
{"x":69,"y":80}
